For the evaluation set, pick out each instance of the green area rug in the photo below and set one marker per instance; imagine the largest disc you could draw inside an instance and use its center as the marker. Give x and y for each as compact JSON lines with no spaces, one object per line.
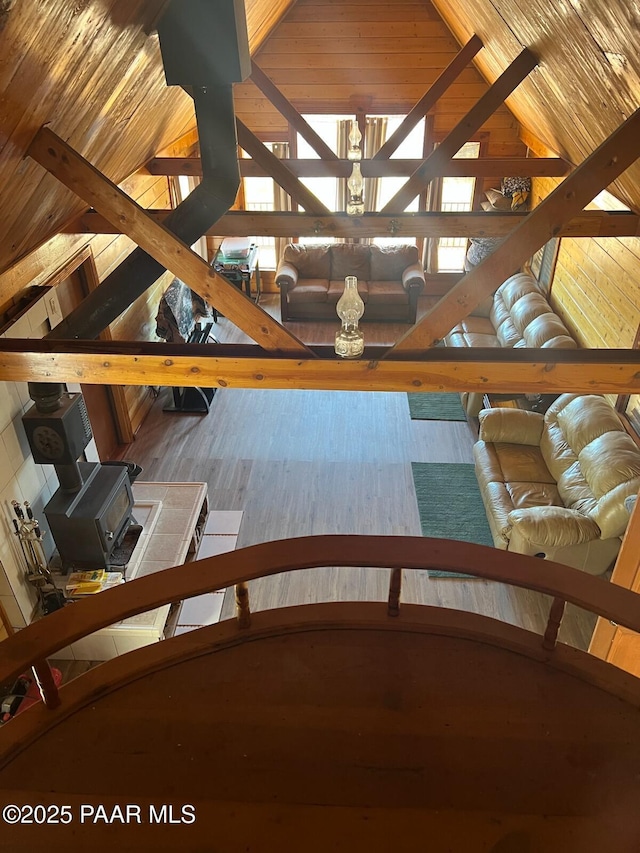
{"x":435,"y":407}
{"x":450,"y":505}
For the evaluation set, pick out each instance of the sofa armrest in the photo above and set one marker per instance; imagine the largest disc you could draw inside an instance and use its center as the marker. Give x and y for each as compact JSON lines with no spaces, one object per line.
{"x":286,"y":275}
{"x":515,"y":426}
{"x":413,"y":277}
{"x":553,"y":526}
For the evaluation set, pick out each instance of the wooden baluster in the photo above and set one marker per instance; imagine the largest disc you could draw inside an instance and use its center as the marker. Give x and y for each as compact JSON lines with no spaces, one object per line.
{"x":243,"y":611}
{"x":553,"y":625}
{"x":46,"y":684}
{"x":395,"y":587}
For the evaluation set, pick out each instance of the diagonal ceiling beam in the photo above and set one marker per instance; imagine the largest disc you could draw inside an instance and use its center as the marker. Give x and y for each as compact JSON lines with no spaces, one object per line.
{"x":238,"y":223}
{"x":499,"y":371}
{"x":463,"y":131}
{"x":86,"y":181}
{"x":286,"y":108}
{"x":277,"y":169}
{"x":593,"y":175}
{"x":482,"y":167}
{"x":430,"y":98}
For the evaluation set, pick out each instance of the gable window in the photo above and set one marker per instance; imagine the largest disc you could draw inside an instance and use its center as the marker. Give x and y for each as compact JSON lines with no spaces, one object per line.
{"x":260,"y":193}
{"x":456,"y":195}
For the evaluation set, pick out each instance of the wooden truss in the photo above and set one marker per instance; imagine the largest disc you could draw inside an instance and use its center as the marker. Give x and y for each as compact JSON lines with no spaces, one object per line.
{"x":483,"y":167}
{"x":228,"y":366}
{"x":238,"y":223}
{"x":285,"y":362}
{"x":99,"y":192}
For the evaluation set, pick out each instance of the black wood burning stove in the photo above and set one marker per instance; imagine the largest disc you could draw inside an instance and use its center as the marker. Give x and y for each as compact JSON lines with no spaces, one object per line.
{"x":89,"y":514}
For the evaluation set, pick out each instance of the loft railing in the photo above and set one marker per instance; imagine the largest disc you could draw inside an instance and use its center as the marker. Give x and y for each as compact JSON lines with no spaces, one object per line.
{"x":42,"y":639}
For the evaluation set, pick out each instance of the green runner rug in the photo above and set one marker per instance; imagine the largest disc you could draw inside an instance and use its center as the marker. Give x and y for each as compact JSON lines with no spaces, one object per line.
{"x":435,"y":407}
{"x":450,"y":504}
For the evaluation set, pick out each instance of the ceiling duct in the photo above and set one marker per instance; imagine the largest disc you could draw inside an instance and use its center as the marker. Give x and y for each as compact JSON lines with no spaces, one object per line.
{"x":205,"y":49}
{"x":204,"y":43}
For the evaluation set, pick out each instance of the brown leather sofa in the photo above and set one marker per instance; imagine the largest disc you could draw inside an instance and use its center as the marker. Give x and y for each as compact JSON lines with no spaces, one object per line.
{"x":554,"y":485}
{"x":311,"y":280}
{"x":518,"y":315}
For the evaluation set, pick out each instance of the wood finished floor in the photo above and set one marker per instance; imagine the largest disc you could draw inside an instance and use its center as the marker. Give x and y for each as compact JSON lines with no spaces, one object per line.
{"x":309,"y":462}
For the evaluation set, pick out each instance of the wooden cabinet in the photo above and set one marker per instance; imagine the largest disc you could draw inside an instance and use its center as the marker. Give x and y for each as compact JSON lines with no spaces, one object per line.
{"x":612,"y":642}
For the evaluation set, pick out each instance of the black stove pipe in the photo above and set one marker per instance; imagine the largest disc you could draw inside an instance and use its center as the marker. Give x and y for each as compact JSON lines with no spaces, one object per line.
{"x":189,"y":221}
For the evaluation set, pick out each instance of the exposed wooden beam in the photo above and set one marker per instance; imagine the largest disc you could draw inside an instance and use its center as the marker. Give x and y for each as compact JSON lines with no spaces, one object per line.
{"x":594,"y":174}
{"x":486,"y":167}
{"x":86,"y":181}
{"x":430,"y":98}
{"x":278,"y":171}
{"x":588,"y":223}
{"x":463,"y":131}
{"x":286,"y":109}
{"x":504,"y":371}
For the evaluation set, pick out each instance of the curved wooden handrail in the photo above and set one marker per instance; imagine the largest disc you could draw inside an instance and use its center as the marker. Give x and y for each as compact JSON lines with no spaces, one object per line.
{"x":47,"y":636}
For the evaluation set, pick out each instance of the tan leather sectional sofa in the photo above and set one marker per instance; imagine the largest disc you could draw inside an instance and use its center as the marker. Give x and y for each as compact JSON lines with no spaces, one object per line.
{"x":554,"y":485}
{"x":518,"y":315}
{"x":311,"y":280}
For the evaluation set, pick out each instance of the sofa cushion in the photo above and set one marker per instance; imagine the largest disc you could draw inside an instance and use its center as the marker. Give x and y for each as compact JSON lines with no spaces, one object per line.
{"x":472,"y":340}
{"x":522,"y":462}
{"x":310,"y":261}
{"x":350,"y":259}
{"x":548,"y":330}
{"x":554,"y":527}
{"x":388,"y":292}
{"x":574,"y":489}
{"x":309,"y":290}
{"x":582,"y":419}
{"x":389,"y":262}
{"x":526,"y":309}
{"x":526,"y":495}
{"x":475,"y":326}
{"x":610,"y":460}
{"x":507,"y":334}
{"x":336,"y":289}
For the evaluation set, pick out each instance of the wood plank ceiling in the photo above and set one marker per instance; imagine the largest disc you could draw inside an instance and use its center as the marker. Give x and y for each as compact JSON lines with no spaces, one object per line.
{"x":588,"y":79}
{"x":371,"y":56}
{"x":91,"y":69}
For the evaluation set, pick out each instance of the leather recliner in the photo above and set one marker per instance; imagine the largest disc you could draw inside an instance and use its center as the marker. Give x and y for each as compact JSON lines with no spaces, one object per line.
{"x":554,"y":485}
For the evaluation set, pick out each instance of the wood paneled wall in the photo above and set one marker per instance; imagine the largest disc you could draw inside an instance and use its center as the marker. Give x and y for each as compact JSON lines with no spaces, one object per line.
{"x":596,"y":285}
{"x":262,"y":17}
{"x":338,"y":57}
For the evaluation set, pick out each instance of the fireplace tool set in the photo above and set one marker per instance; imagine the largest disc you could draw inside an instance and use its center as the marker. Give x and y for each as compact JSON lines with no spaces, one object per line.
{"x":27,"y":530}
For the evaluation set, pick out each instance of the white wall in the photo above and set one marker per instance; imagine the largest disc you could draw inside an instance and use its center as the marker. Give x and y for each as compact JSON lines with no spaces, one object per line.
{"x":21,"y":479}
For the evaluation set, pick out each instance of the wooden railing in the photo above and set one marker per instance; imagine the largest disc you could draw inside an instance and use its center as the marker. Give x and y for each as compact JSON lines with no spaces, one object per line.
{"x":42,"y":639}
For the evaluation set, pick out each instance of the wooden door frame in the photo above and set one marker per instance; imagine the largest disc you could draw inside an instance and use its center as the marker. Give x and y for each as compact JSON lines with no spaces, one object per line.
{"x":84,"y":263}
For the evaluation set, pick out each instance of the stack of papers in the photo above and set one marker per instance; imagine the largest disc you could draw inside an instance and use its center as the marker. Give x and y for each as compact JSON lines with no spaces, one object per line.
{"x":88,"y":583}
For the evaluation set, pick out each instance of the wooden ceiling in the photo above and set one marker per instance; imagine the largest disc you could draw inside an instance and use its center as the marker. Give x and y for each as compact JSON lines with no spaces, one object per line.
{"x":588,"y":79}
{"x":92,"y":70}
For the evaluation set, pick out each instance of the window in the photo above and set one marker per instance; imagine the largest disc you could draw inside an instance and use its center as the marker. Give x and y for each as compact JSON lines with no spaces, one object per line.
{"x":330,"y":191}
{"x":411,"y":148}
{"x":456,"y":195}
{"x":259,"y":195}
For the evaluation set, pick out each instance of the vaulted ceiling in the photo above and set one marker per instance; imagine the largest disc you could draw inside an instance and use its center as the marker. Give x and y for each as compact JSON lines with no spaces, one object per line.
{"x":92,"y":70}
